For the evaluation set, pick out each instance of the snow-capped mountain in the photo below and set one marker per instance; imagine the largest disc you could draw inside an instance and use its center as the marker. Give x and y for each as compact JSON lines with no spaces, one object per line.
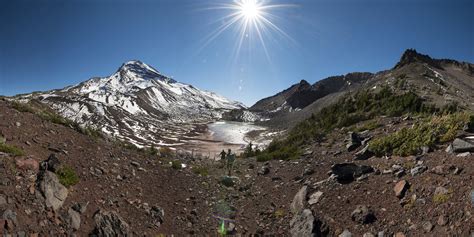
{"x":139,"y":104}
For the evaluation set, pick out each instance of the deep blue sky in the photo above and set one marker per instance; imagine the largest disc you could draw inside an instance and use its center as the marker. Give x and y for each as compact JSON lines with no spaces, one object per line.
{"x":52,"y":44}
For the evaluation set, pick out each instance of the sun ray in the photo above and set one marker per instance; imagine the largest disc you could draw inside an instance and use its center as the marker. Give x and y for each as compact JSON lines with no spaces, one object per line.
{"x":254,"y":22}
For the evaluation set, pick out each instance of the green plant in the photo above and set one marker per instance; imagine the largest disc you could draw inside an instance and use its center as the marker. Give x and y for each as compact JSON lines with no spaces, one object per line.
{"x":67,"y":176}
{"x":10,"y":149}
{"x":408,"y":141}
{"x":200,"y":170}
{"x":440,"y":198}
{"x":176,"y":164}
{"x":279,"y":213}
{"x":369,"y":125}
{"x":22,"y":107}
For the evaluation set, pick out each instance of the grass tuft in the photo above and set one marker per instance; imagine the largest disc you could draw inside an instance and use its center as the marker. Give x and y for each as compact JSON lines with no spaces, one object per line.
{"x":12,"y":150}
{"x":67,"y":176}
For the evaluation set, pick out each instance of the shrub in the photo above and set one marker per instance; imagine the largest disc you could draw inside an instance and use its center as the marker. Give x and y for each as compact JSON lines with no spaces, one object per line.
{"x":408,"y":141}
{"x":176,"y":164}
{"x":67,"y":176}
{"x":370,"y":125}
{"x":10,"y":149}
{"x":152,"y":151}
{"x":279,"y":213}
{"x":166,"y":151}
{"x":89,"y":131}
{"x":22,"y":107}
{"x":200,"y":170}
{"x":440,"y":198}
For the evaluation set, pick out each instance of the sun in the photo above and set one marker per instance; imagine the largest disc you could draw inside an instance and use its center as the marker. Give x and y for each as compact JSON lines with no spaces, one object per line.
{"x":253,"y":20}
{"x":250,"y":9}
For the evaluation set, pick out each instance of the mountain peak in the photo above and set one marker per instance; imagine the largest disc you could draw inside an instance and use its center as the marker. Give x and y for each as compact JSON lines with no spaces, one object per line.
{"x":135,"y":69}
{"x":137,"y":66}
{"x":412,"y":56}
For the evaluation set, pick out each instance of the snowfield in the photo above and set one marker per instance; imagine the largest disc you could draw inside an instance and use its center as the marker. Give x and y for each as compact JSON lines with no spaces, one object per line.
{"x":138,"y":104}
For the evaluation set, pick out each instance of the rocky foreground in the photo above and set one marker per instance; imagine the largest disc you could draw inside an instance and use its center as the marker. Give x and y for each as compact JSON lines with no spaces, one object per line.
{"x":337,"y":188}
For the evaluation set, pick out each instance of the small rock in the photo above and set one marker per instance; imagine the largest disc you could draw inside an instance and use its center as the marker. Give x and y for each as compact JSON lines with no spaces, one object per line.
{"x":427,"y":226}
{"x":231,"y":228}
{"x":308,"y":171}
{"x":346,"y":233}
{"x":439,"y":170}
{"x":363,"y":215}
{"x":158,"y":215}
{"x":399,"y":234}
{"x":368,"y":235}
{"x":464,"y":154}
{"x":134,"y":163}
{"x":265,"y":169}
{"x":418,"y":170}
{"x":315,"y":197}
{"x":3,"y":200}
{"x":299,"y":200}
{"x":51,"y":164}
{"x":81,"y":208}
{"x":400,"y":188}
{"x":441,"y":191}
{"x":442,"y":220}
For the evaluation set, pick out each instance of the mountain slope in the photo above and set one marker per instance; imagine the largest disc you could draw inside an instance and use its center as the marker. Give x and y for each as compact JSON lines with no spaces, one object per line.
{"x":438,"y":81}
{"x":139,"y":104}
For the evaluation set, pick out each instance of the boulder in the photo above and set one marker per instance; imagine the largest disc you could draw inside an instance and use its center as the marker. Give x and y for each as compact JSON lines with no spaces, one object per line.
{"x":460,"y":145}
{"x":54,"y":192}
{"x":158,"y":215}
{"x":348,"y":172}
{"x":299,"y":200}
{"x":363,"y":215}
{"x":354,"y":141}
{"x":110,"y":224}
{"x":229,"y":181}
{"x":363,"y":154}
{"x":51,"y":164}
{"x":400,"y":188}
{"x":305,"y":224}
{"x":73,"y":219}
{"x":27,"y":164}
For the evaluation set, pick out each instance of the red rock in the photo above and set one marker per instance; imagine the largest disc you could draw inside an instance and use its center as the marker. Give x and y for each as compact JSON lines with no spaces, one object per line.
{"x":399,"y":234}
{"x":400,"y":188}
{"x":2,"y":226}
{"x":27,"y":164}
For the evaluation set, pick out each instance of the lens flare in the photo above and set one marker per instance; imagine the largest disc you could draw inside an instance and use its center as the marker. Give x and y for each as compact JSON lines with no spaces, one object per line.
{"x":253,"y":20}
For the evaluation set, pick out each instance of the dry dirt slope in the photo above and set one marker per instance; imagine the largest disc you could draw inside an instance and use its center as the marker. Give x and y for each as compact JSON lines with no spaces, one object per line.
{"x":128,"y":186}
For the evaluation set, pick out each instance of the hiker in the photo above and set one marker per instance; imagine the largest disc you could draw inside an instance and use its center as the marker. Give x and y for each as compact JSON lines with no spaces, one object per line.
{"x":230,"y":162}
{"x":222,"y":155}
